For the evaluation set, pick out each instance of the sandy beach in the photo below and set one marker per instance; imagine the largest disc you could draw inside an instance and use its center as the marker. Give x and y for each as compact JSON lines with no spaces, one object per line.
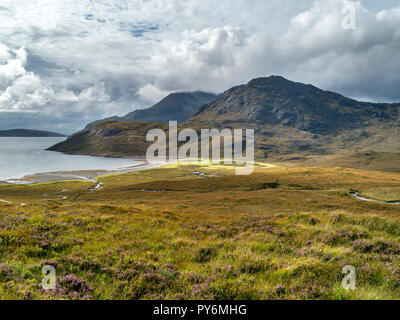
{"x":89,"y":175}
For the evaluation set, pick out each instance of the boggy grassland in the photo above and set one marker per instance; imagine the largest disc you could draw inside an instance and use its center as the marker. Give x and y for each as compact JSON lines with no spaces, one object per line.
{"x":167,"y":234}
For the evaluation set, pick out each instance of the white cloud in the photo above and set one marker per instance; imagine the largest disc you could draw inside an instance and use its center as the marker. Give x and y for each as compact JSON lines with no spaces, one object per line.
{"x":87,"y":59}
{"x":12,"y":65}
{"x":151,"y":93}
{"x":199,"y":60}
{"x":4,"y":53}
{"x":25,"y":94}
{"x":318,"y":49}
{"x":25,"y":91}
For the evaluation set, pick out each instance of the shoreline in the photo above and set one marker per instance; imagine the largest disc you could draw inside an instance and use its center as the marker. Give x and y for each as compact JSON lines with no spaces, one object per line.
{"x":85,"y":175}
{"x":78,"y":175}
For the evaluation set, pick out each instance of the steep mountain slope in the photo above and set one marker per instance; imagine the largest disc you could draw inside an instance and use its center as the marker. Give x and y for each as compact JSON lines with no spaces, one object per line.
{"x":179,"y":106}
{"x":288,"y":118}
{"x":277,"y":101}
{"x":28,"y":133}
{"x":119,"y":136}
{"x":110,"y":139}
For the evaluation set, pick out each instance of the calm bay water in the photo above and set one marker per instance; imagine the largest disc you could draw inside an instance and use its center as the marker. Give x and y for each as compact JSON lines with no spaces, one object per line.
{"x":24,"y":156}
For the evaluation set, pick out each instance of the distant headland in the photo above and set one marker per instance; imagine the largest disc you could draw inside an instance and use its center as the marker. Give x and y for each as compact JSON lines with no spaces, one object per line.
{"x":29,"y":133}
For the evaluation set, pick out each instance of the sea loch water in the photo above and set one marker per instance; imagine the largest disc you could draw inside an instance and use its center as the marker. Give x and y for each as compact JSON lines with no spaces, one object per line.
{"x":23,"y":156}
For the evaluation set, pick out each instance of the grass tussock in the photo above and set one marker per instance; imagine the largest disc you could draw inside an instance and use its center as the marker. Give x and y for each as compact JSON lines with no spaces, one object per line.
{"x":165,"y":234}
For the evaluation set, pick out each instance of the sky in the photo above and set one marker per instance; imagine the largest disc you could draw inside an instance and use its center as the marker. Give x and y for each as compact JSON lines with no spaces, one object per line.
{"x":66,"y":63}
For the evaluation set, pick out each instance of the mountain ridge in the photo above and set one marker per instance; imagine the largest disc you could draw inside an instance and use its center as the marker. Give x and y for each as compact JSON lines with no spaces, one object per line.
{"x":288,"y":118}
{"x":178,"y":106}
{"x":276,"y":100}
